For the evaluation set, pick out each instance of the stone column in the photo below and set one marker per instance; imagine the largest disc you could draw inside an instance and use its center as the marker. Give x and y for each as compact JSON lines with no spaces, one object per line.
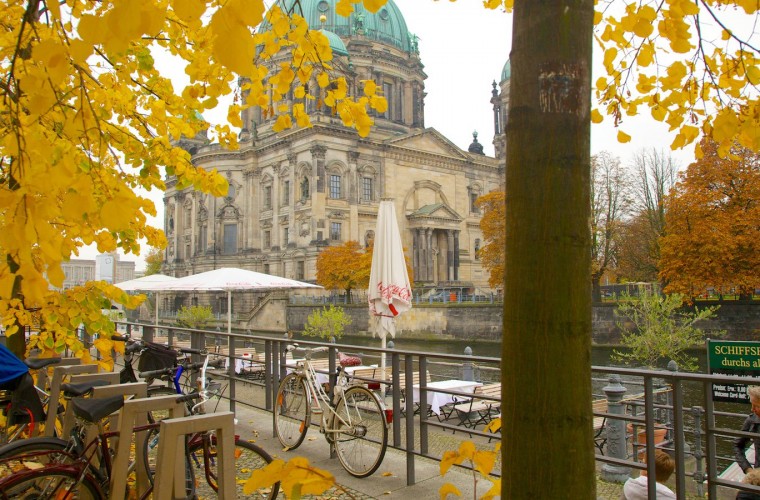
{"x":318,"y":160}
{"x":456,"y":255}
{"x":416,"y":253}
{"x":449,"y":255}
{"x":254,"y":193}
{"x":276,"y":229}
{"x":430,"y":273}
{"x":352,"y":184}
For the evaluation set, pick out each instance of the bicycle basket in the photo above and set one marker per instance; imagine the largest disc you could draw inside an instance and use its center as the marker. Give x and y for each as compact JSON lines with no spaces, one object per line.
{"x":156,"y":357}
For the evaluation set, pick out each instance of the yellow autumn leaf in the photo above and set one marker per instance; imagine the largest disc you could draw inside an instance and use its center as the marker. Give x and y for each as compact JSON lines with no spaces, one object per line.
{"x":448,"y":489}
{"x":484,"y":461}
{"x":344,"y":8}
{"x":189,"y":11}
{"x":323,"y":79}
{"x":753,"y":74}
{"x":449,"y":458}
{"x":622,"y":137}
{"x":495,"y":491}
{"x":596,"y":117}
{"x":467,"y":449}
{"x":374,"y":5}
{"x":369,"y":87}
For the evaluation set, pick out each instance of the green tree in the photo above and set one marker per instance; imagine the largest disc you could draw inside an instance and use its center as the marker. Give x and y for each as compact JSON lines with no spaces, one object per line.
{"x":328,"y":322}
{"x":153,"y":261}
{"x":659,"y":327}
{"x":196,"y":317}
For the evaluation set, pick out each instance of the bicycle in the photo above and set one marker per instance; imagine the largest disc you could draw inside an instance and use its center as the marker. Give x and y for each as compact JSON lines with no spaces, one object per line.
{"x":71,"y":468}
{"x":354,"y":421}
{"x":24,"y":402}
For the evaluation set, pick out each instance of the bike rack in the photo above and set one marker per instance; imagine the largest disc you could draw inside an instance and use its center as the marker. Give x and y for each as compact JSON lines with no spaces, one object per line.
{"x":171,"y":451}
{"x":59,"y":372}
{"x":133,"y":414}
{"x":42,"y":374}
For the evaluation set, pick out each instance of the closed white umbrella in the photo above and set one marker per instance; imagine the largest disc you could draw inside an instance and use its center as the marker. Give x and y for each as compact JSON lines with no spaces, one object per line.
{"x":390,"y":292}
{"x":149,"y":283}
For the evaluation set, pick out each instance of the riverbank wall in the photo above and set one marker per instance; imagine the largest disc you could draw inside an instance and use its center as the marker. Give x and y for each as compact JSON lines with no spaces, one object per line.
{"x":740,"y":321}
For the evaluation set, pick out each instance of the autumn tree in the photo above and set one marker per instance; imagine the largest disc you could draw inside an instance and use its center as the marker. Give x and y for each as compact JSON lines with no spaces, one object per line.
{"x":655,"y":174}
{"x":344,"y":267}
{"x":153,"y":261}
{"x":491,"y":254}
{"x":88,"y":122}
{"x":713,"y":235}
{"x":610,"y":204}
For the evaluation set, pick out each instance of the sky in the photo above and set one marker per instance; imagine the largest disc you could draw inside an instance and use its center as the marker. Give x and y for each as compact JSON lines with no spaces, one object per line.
{"x":463,"y":47}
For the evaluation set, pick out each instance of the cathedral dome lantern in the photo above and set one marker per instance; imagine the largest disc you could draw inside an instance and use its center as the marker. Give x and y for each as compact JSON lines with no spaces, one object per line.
{"x":386,"y":25}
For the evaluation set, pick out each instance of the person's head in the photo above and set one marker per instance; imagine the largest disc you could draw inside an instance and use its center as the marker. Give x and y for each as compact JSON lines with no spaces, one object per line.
{"x":663,"y":466}
{"x":752,"y":477}
{"x":753,"y":391}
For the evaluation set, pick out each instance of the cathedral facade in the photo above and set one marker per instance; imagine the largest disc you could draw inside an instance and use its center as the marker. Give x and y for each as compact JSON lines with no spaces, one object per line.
{"x":296,"y":192}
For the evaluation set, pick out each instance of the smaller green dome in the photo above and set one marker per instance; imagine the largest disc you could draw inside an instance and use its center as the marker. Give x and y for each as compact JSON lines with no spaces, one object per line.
{"x":506,"y":71}
{"x":336,"y":44}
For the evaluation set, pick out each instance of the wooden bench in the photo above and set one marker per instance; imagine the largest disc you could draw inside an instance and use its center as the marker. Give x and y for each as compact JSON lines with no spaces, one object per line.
{"x":484,"y":405}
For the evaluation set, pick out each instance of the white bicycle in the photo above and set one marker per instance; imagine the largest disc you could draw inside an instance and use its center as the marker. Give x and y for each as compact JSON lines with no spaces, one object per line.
{"x":354,"y":422}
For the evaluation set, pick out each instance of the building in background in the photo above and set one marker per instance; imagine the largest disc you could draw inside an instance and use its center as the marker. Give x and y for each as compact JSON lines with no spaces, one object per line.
{"x":293,"y":193}
{"x":106,"y":267}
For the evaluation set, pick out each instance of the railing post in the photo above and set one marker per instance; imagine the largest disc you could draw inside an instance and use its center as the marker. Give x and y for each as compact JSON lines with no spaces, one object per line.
{"x":396,"y":395}
{"x":699,"y":472}
{"x":615,"y":429}
{"x":268,"y":374}
{"x":468,"y":373}
{"x":423,"y":406}
{"x":409,"y":404}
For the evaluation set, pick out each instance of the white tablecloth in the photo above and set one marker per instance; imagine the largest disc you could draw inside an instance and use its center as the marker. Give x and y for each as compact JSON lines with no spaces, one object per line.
{"x":438,"y":399}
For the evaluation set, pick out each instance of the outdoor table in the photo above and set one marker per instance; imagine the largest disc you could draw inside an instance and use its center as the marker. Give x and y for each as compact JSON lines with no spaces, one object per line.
{"x":437,"y":399}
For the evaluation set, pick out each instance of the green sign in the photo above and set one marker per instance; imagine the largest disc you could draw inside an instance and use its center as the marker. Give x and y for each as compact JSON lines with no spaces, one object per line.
{"x":736,"y":358}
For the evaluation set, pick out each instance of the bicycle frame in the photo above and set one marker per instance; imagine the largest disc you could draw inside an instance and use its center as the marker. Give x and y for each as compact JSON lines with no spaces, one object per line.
{"x":317,"y":394}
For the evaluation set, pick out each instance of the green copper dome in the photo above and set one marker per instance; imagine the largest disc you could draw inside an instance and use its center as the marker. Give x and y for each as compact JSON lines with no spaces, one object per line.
{"x":386,"y":26}
{"x":336,"y":44}
{"x":506,"y":71}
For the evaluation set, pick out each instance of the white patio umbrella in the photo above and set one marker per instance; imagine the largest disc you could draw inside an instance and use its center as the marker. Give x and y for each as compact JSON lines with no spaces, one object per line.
{"x":149,"y":283}
{"x":229,"y":279}
{"x":390,"y":292}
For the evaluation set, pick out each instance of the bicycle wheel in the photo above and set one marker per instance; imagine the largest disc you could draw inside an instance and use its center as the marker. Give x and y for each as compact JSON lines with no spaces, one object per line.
{"x":44,"y":484}
{"x":160,"y":390}
{"x":33,"y":445}
{"x":248,"y":457}
{"x":362,"y":432}
{"x":292,"y":411}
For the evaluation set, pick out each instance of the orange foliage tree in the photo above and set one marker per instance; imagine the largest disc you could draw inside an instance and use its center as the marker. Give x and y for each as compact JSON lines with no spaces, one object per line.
{"x":493,"y":207}
{"x":344,"y":267}
{"x":712,"y":232}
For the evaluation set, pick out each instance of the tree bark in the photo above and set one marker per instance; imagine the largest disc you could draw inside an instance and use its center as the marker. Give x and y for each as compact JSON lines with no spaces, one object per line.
{"x":547,"y":448}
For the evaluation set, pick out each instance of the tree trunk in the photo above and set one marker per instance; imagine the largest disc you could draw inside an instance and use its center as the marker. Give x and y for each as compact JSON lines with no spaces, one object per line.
{"x":547,"y":447}
{"x":16,"y":343}
{"x":596,"y":288}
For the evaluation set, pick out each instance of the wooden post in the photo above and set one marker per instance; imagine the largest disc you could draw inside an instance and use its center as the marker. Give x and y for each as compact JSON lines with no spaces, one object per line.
{"x":171,"y":450}
{"x":59,"y":372}
{"x":134,"y":414}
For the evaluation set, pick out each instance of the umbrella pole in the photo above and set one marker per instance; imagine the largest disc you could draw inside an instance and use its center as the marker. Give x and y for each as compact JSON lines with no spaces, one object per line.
{"x":382,"y":364}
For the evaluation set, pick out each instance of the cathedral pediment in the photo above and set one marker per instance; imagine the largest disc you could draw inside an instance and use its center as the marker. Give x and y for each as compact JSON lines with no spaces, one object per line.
{"x":435,"y":211}
{"x":429,"y":141}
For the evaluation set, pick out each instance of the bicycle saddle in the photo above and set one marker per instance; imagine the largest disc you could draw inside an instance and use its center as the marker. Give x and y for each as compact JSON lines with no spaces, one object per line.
{"x":95,"y":410}
{"x":74,"y":390}
{"x":37,"y":363}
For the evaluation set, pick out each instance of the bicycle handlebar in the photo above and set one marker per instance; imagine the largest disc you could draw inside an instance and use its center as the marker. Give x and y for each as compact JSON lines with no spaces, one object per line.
{"x":157,"y":373}
{"x":135,"y":346}
{"x":188,"y":350}
{"x":119,"y":338}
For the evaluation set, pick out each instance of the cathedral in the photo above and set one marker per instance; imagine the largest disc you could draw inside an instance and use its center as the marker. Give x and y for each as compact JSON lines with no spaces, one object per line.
{"x":295,"y":192}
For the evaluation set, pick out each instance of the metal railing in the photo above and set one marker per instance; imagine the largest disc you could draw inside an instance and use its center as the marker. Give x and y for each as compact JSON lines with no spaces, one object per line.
{"x":679,"y":402}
